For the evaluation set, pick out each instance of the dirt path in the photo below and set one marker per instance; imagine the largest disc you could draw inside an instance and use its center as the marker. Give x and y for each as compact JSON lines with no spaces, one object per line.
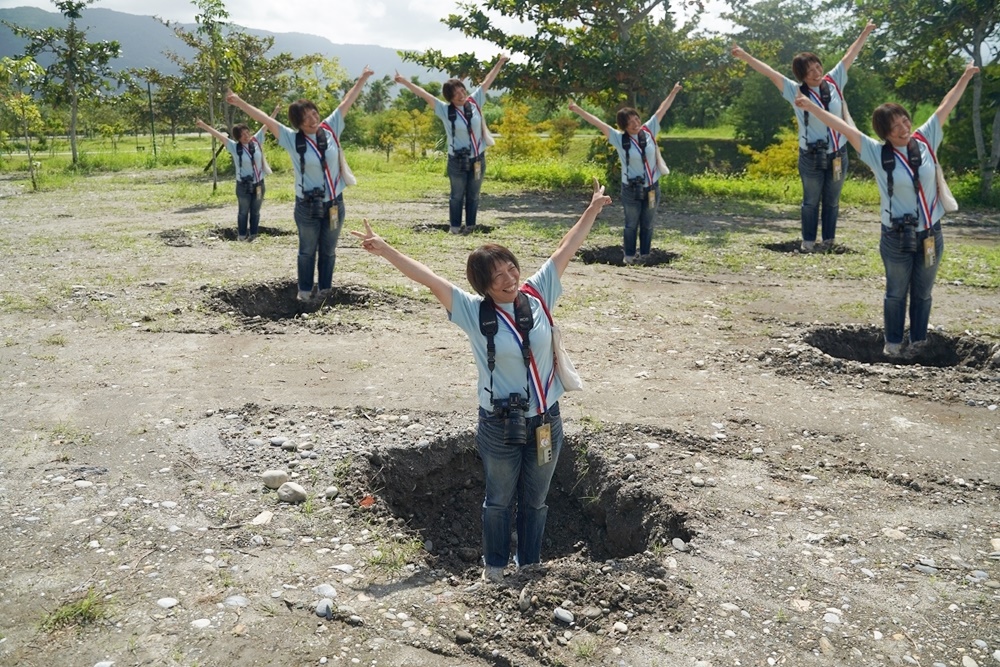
{"x":744,"y":481}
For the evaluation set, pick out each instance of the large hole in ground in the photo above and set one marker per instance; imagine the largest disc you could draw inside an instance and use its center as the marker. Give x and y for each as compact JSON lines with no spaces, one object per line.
{"x":614,"y":256}
{"x":795,"y":247}
{"x":232,"y":234}
{"x":277,"y":300}
{"x":865,"y":344}
{"x":425,"y":227}
{"x":594,"y":509}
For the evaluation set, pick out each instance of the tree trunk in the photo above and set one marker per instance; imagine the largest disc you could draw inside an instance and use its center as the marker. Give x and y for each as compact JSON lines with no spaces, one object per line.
{"x":73,"y":107}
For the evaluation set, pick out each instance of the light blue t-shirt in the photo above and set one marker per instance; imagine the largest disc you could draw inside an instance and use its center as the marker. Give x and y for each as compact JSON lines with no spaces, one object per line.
{"x":816,"y":130}
{"x":509,"y":373}
{"x":636,"y":166}
{"x":904,"y":195}
{"x":247,"y":166}
{"x":460,"y":138}
{"x":314,"y":177}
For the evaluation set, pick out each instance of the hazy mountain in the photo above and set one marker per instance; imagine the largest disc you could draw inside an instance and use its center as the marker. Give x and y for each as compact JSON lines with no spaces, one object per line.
{"x":145,"y":41}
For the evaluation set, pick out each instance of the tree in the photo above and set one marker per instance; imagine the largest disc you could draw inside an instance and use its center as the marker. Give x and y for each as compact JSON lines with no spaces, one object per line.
{"x":613,"y":52}
{"x":518,"y":137}
{"x":376,"y":99}
{"x":215,"y":65}
{"x":79,"y":68}
{"x":387,"y":129}
{"x":16,"y":77}
{"x":928,"y":42}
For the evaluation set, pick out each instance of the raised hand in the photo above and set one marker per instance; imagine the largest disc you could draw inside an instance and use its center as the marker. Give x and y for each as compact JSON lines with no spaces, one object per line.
{"x":371,"y":241}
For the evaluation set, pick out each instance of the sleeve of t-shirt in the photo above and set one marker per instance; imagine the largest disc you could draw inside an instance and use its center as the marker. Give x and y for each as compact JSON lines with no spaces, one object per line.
{"x":464,"y":310}
{"x":479,"y":96}
{"x":441,"y":109}
{"x":286,"y":138}
{"x":654,"y":125}
{"x":546,"y":281}
{"x":790,"y":90}
{"x":336,"y":122}
{"x":839,"y":75}
{"x":260,"y":134}
{"x":932,"y":132}
{"x":871,"y":153}
{"x":615,"y":138}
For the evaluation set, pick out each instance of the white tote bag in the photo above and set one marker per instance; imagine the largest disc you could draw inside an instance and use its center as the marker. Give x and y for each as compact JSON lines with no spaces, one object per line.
{"x":565,"y":369}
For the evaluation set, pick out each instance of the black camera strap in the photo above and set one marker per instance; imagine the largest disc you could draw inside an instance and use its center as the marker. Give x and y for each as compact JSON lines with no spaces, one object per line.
{"x":889,"y":165}
{"x":627,"y":144}
{"x":489,"y":326}
{"x":300,"y":148}
{"x":467,"y":117}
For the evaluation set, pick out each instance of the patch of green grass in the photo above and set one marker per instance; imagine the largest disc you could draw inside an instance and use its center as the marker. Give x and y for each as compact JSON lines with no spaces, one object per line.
{"x":584,"y":648}
{"x":55,"y":339}
{"x":89,"y":609}
{"x":392,"y":555}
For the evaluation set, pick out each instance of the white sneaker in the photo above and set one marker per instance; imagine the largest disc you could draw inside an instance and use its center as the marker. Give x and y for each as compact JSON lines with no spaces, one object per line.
{"x":304,"y":295}
{"x":892,"y":349}
{"x":456,"y":230}
{"x":241,"y":237}
{"x":807,"y":246}
{"x":493,"y":574}
{"x":629,"y":260}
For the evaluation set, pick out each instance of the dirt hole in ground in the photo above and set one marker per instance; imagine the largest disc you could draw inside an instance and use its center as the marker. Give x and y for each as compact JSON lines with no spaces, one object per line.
{"x":614,"y":256}
{"x":865,"y":344}
{"x":594,"y":511}
{"x":231,"y":234}
{"x":176,"y":237}
{"x":795,"y":247}
{"x":425,"y":227}
{"x":278,"y":301}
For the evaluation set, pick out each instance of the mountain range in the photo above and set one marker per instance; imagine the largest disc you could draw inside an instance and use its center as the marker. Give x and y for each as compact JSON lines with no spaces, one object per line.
{"x":145,"y":42}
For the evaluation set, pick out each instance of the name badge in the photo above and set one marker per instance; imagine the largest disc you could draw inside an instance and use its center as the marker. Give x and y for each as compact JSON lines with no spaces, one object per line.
{"x":256,"y":192}
{"x":837,"y":166}
{"x":651,"y":198}
{"x":930,"y":252}
{"x":477,"y":170}
{"x":543,"y":439}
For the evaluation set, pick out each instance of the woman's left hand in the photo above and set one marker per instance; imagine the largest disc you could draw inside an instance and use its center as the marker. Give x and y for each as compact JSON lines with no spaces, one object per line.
{"x":371,"y":241}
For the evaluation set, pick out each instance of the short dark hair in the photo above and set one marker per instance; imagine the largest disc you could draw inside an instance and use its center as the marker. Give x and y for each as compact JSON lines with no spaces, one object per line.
{"x":450,"y":87}
{"x":623,"y":115}
{"x":884,"y":117}
{"x":297,"y":111}
{"x":481,"y":262}
{"x":238,"y":130}
{"x":801,"y":63}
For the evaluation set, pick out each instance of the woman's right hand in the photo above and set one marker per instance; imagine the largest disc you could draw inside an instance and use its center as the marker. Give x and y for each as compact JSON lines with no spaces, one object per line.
{"x":399,"y":78}
{"x":599,"y":200}
{"x":232,"y":98}
{"x":737,"y":52}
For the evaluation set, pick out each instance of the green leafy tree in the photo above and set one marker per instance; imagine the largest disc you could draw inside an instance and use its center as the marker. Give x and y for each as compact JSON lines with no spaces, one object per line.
{"x":16,"y":77}
{"x":388,"y":128}
{"x":80,"y":69}
{"x":216,"y":65}
{"x":612,"y":51}
{"x":518,"y":137}
{"x":561,"y":129}
{"x":377,"y":97}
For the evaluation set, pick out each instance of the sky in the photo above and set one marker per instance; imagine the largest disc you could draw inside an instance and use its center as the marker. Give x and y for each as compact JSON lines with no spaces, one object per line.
{"x":397,"y":24}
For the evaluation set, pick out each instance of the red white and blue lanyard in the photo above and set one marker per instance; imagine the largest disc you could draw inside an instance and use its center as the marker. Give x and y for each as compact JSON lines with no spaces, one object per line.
{"x":257,"y":178}
{"x":331,"y":184}
{"x":468,"y":125}
{"x":642,"y":153}
{"x":915,"y":178}
{"x":834,"y":136}
{"x":541,"y":390}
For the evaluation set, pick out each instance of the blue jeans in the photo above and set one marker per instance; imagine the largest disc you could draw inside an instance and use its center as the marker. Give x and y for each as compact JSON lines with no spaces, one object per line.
{"x":514,"y":479}
{"x":819,"y":186}
{"x":465,"y":189}
{"x":249,"y":207}
{"x":639,"y":218}
{"x":906,"y":275}
{"x":317,"y":236}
